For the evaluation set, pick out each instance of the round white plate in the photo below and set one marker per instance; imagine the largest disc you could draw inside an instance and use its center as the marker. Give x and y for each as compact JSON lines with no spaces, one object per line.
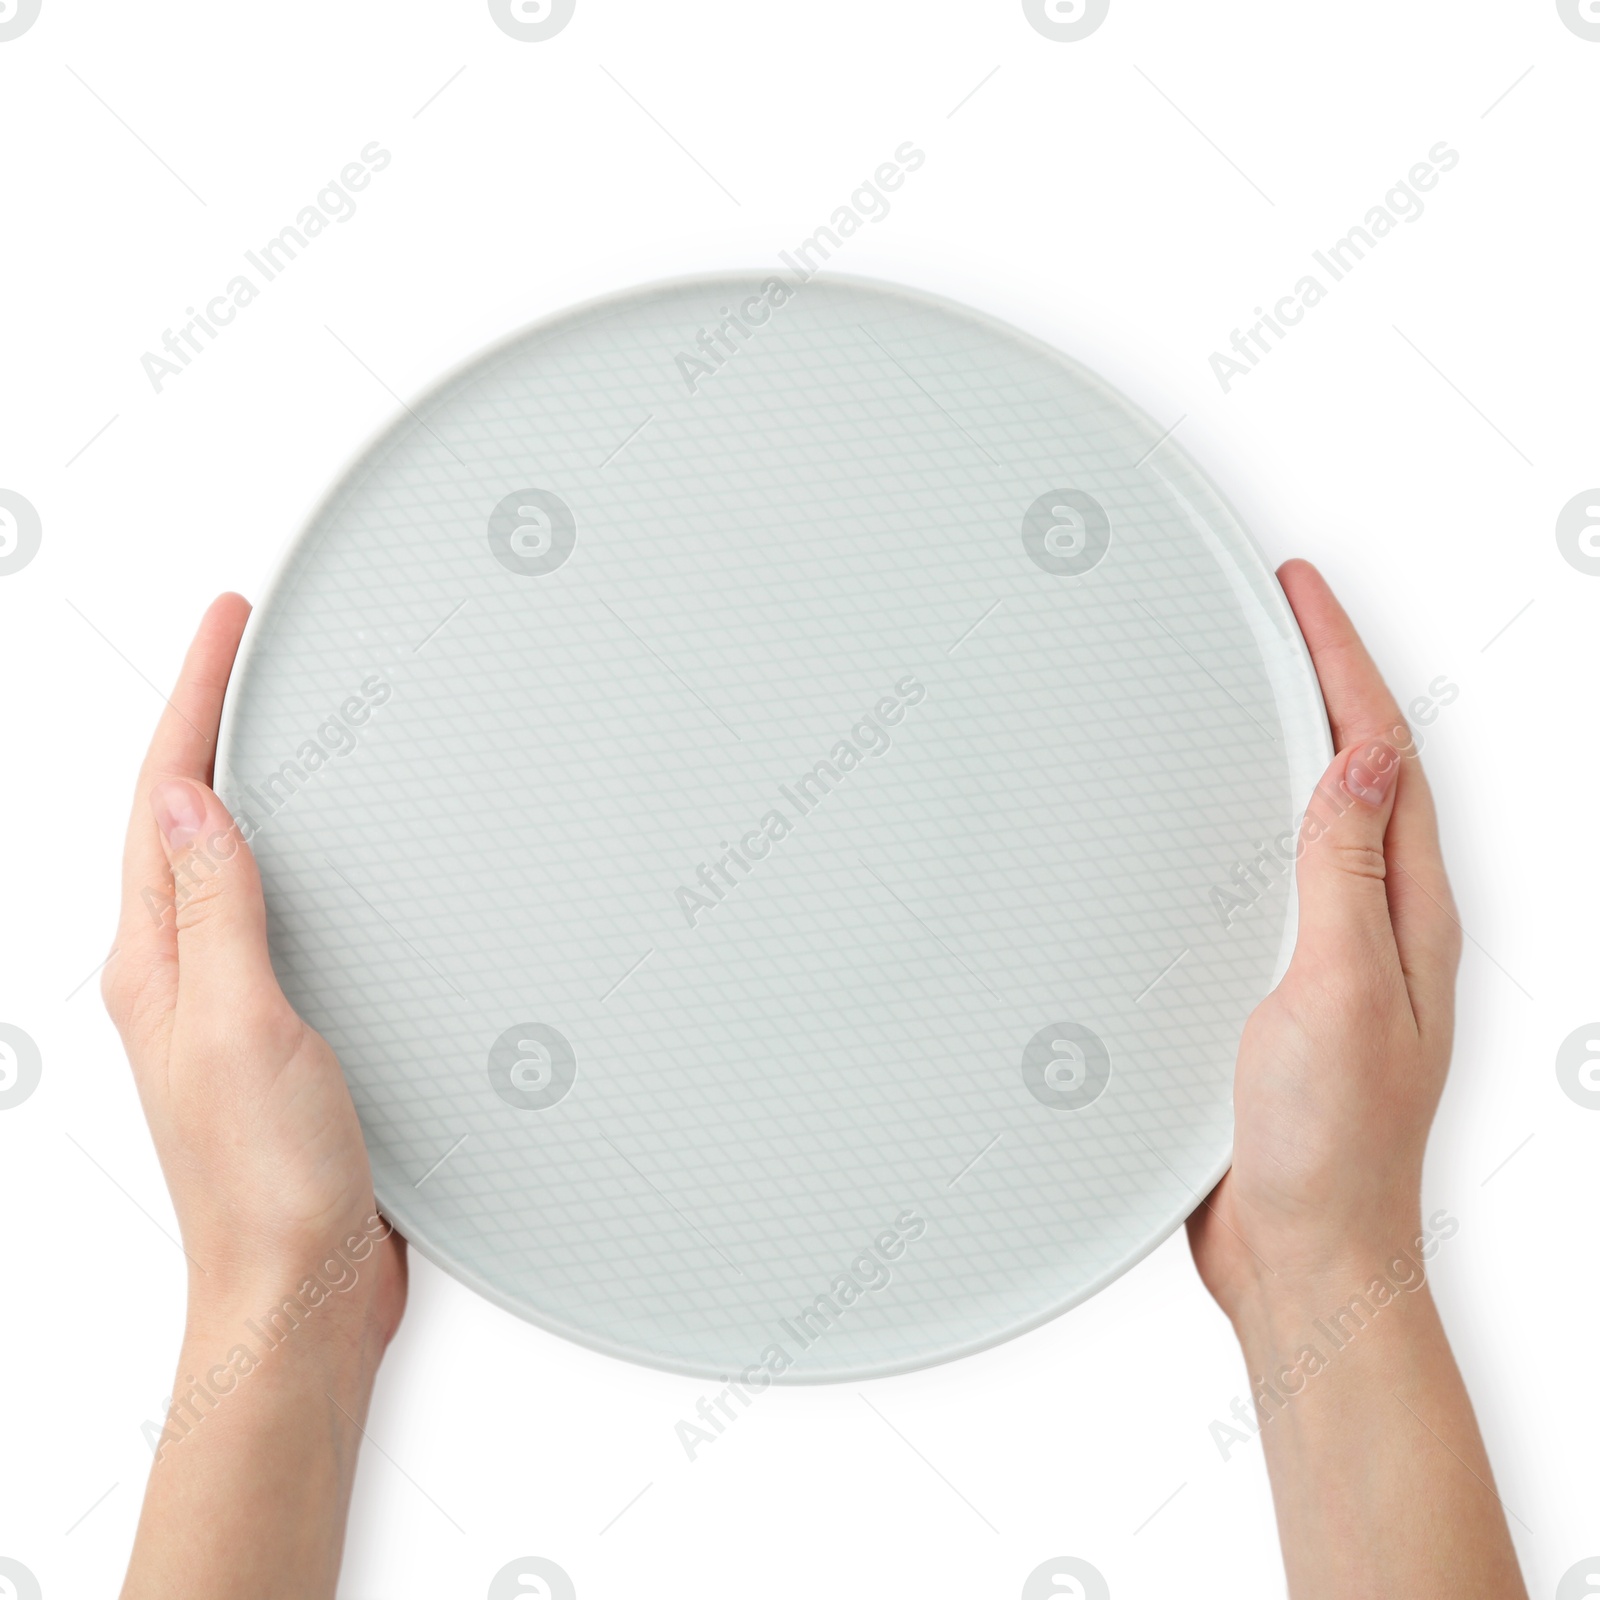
{"x":764,"y":785}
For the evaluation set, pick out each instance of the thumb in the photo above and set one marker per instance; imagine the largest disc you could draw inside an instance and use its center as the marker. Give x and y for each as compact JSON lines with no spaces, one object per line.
{"x":1344,"y":902}
{"x":220,"y":916}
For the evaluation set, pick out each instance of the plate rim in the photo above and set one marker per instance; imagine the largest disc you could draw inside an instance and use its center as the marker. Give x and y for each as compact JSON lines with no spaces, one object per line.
{"x":393,"y":1207}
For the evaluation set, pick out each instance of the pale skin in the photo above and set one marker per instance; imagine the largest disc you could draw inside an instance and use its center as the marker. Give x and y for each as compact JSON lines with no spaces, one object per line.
{"x":1378,"y":1471}
{"x":261,"y":1149}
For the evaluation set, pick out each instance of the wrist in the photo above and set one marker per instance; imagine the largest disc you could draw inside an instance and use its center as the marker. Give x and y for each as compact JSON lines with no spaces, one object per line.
{"x":333,"y":1309}
{"x":1289,"y":1275}
{"x":1319,"y":1305}
{"x":352,"y":1276}
{"x":1310,"y":1321}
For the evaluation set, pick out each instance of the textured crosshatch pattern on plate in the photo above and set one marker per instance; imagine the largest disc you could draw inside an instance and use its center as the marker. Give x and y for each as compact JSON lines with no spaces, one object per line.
{"x":583,"y":619}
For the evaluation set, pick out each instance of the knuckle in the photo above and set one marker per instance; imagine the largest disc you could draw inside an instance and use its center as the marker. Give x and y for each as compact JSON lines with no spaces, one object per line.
{"x":121,"y":983}
{"x":127,"y":990}
{"x":215,"y":872}
{"x":116,"y":992}
{"x":199,"y":895}
{"x":1359,"y":860}
{"x":260,"y":1024}
{"x":273,"y":1024}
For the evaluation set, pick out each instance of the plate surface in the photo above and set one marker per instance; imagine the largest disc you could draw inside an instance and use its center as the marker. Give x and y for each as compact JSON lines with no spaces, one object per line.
{"x":767,"y":804}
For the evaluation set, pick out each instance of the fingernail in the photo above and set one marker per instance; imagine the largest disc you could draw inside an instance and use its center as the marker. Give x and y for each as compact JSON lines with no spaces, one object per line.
{"x":1370,"y":772}
{"x":180,"y":815}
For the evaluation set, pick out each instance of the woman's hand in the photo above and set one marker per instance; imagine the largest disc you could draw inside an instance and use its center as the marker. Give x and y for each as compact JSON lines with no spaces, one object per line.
{"x":295,"y":1285}
{"x":1341,"y":1066}
{"x":1313,"y":1244}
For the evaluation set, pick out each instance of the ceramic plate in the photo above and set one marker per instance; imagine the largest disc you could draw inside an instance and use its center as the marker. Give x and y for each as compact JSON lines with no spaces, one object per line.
{"x":780,"y":796}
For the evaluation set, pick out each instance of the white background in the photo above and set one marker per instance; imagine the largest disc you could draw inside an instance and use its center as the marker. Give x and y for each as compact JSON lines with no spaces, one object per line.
{"x":145,"y":149}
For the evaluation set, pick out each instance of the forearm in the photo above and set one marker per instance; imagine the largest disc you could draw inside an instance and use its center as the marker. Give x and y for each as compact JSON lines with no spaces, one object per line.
{"x":251,"y":1484}
{"x":1379,"y":1475}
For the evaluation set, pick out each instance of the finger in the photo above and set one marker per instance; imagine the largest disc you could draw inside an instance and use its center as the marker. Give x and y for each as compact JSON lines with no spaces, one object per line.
{"x":220,"y":919}
{"x":1361,"y":708}
{"x":1344,"y":908}
{"x":140,"y":979}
